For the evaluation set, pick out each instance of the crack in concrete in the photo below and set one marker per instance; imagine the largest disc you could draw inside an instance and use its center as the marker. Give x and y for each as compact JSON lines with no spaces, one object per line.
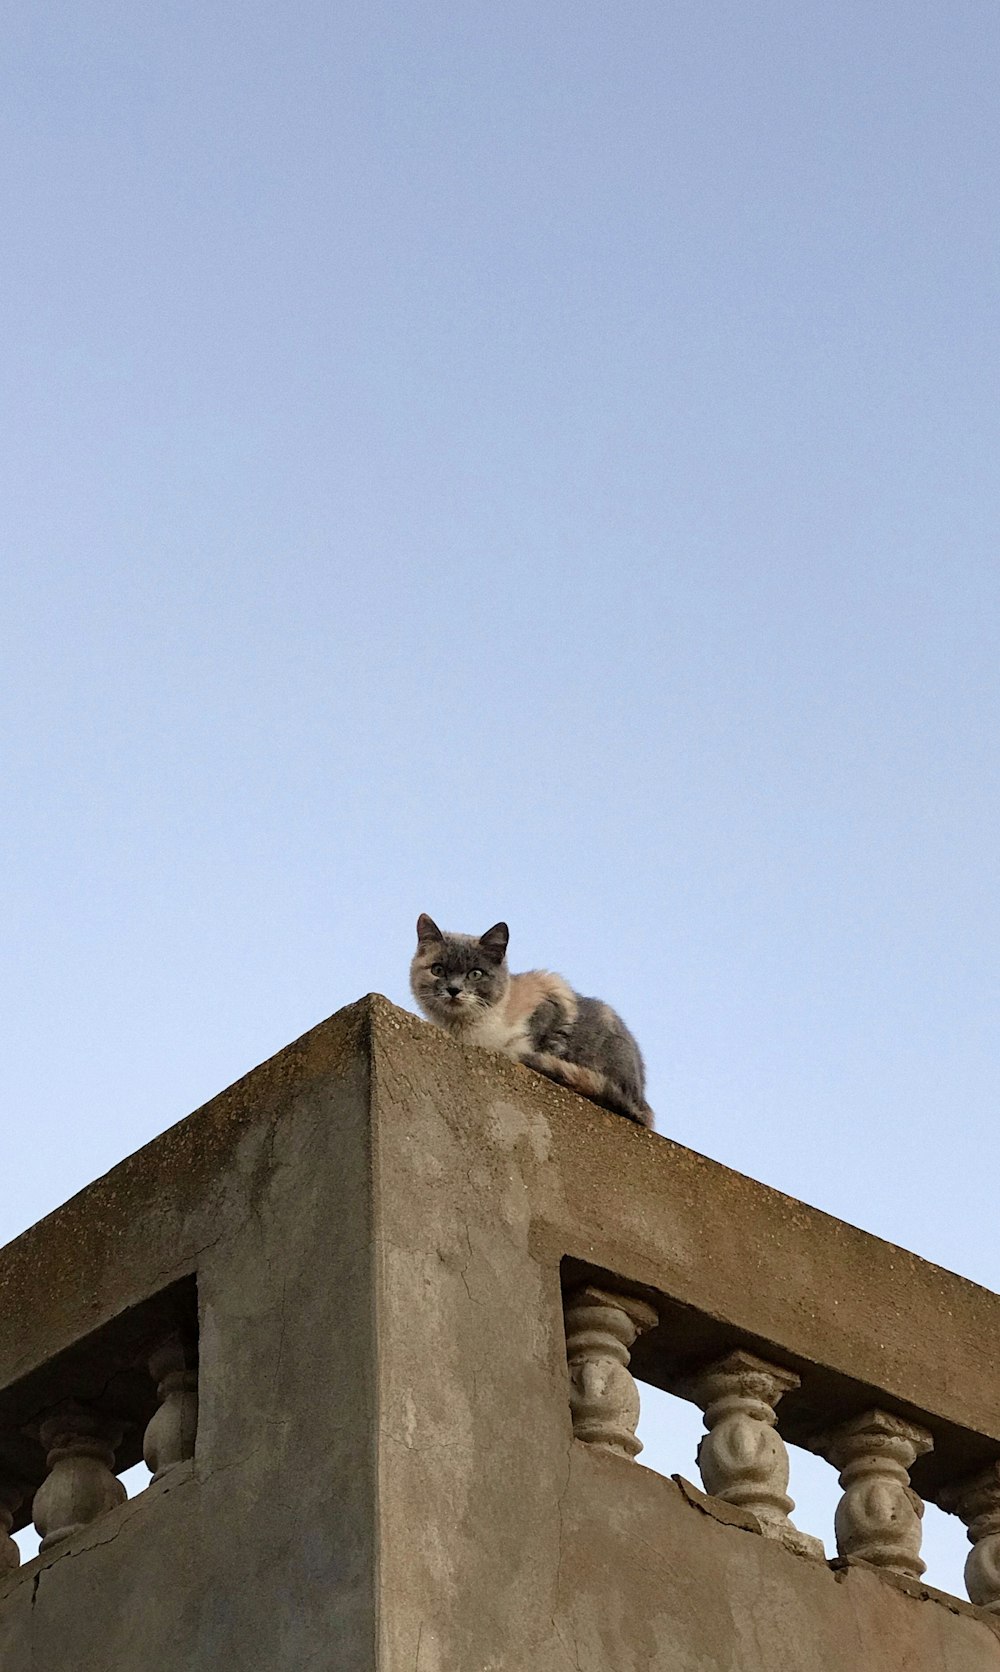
{"x":717,"y":1508}
{"x":432,"y":1445}
{"x":281,"y":1339}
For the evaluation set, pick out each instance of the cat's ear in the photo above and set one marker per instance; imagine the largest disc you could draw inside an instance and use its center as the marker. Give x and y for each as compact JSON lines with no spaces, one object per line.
{"x":495,"y":940}
{"x":427,"y":929}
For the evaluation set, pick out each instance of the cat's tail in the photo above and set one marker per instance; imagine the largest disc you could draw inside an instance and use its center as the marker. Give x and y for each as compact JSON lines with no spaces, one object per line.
{"x":589,"y":1082}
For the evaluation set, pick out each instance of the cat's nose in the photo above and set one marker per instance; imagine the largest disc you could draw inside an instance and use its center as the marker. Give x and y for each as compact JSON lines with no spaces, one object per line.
{"x":454,"y":991}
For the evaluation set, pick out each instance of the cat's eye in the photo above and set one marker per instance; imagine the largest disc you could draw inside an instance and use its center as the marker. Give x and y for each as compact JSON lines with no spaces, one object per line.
{"x":437,"y":969}
{"x":475,"y":974}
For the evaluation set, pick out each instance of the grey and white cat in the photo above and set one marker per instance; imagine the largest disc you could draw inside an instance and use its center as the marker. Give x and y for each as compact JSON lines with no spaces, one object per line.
{"x":462,"y":983}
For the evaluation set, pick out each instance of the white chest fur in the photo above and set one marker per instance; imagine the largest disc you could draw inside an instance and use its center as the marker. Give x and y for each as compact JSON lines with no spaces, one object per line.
{"x":495,"y":1031}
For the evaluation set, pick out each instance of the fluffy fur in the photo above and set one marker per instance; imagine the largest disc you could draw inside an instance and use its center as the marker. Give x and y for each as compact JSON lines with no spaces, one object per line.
{"x":462,"y":983}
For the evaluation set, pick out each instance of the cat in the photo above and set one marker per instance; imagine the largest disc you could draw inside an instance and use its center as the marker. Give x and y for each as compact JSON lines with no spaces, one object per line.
{"x":462,"y":983}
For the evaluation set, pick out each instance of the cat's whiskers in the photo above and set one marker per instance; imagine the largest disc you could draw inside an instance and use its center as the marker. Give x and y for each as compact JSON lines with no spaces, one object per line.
{"x":462,"y":982}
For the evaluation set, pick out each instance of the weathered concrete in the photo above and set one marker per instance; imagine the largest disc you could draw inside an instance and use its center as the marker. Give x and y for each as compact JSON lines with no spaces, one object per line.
{"x":262,"y":1556}
{"x":385,"y":1474}
{"x":526,"y":1549}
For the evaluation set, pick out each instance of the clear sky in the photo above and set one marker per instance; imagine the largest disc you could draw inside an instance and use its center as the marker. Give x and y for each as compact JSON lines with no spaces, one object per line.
{"x":526,"y":462}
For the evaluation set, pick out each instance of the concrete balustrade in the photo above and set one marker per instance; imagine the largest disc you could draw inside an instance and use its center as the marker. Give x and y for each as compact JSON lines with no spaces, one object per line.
{"x":604,"y":1400}
{"x":378,"y":1318}
{"x":742,"y":1458}
{"x":11,"y":1497}
{"x":80,"y":1484}
{"x":170,"y":1433}
{"x":878,"y":1518}
{"x":977,"y":1502}
{"x":744,"y":1462}
{"x":81,"y":1418}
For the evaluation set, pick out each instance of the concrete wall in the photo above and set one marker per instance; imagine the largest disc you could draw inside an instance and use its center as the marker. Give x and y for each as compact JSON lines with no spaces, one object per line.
{"x":385,"y":1472}
{"x":262,"y":1555}
{"x":515,"y":1546}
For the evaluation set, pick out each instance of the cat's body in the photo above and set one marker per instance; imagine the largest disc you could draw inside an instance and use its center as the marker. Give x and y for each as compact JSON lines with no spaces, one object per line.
{"x":462,"y":983}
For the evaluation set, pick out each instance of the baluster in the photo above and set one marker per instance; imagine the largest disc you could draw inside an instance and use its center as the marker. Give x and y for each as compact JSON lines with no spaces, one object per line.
{"x":977,"y":1501}
{"x":170,"y":1432}
{"x":81,"y":1483}
{"x":742,"y":1458}
{"x":600,"y":1329}
{"x":878,"y":1518}
{"x":10,"y":1497}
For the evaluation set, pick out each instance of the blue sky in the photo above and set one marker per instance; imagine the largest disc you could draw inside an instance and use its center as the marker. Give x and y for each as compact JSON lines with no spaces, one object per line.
{"x":509,"y":462}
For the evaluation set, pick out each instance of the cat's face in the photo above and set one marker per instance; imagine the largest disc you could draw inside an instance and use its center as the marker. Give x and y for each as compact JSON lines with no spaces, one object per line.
{"x":454,"y":978}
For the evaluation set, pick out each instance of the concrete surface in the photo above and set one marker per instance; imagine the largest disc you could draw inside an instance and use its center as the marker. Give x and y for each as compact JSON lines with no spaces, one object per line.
{"x":262,"y":1556}
{"x":378,"y":1224}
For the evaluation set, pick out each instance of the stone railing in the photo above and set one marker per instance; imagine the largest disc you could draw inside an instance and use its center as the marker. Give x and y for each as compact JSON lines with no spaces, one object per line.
{"x":125,"y":1392}
{"x":376,"y":1316}
{"x":753,"y":1405}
